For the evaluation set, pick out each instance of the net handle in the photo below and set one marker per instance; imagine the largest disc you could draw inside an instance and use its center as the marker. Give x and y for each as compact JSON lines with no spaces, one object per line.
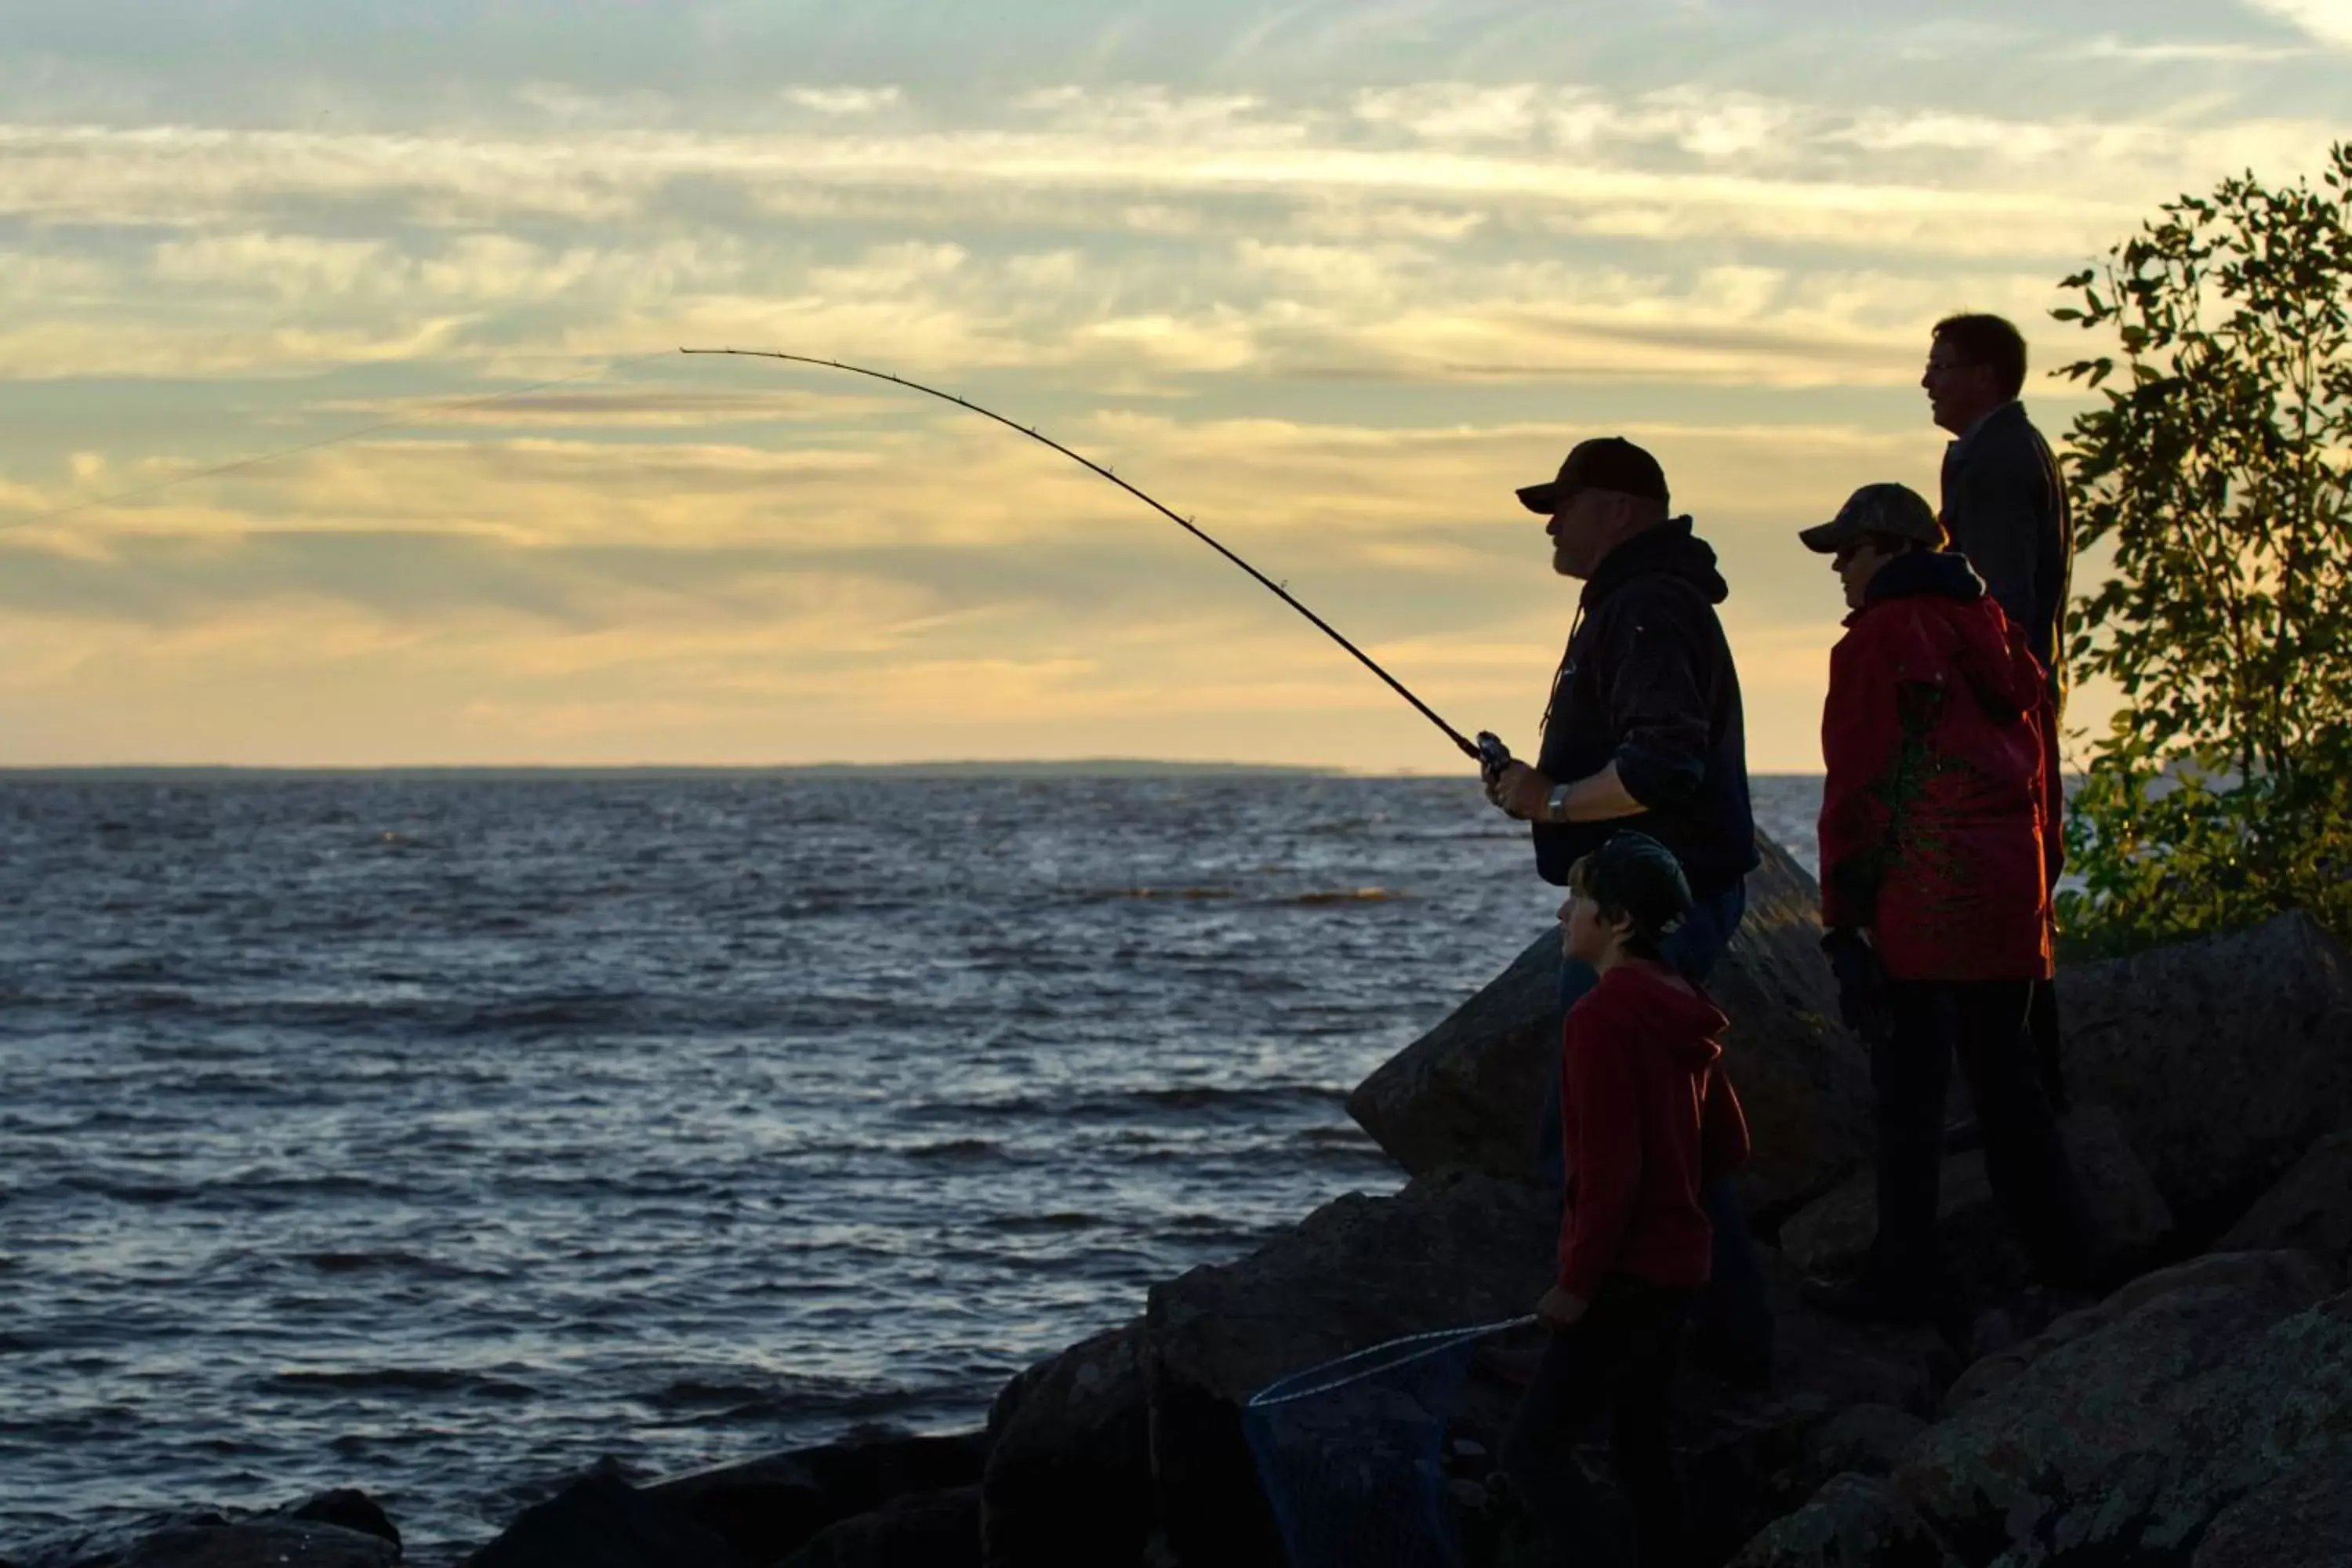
{"x":1325,"y":1376}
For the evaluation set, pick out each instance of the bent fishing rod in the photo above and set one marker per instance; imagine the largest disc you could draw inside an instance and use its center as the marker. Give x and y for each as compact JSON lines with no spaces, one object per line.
{"x":1488,"y":751}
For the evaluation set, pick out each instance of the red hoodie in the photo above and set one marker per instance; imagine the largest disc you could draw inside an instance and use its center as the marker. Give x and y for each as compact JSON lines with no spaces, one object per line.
{"x":1647,"y":1116}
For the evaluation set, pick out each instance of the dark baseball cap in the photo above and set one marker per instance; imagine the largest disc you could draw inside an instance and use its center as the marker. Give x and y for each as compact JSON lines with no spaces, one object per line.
{"x":1635,"y":873}
{"x":1603,"y":463}
{"x":1897,"y":509}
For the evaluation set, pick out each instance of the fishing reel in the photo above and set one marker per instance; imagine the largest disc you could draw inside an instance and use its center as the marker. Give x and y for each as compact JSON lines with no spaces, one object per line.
{"x":1493,"y":756}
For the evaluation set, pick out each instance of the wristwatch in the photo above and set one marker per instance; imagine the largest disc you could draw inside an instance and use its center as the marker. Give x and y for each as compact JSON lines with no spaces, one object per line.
{"x":1556,"y":804}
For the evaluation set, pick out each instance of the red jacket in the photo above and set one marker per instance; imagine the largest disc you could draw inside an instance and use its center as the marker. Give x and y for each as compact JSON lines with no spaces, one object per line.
{"x":1646,"y":1117}
{"x":1938,"y":812}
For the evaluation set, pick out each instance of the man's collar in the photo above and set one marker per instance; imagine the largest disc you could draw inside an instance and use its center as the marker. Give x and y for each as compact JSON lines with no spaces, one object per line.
{"x":1960,"y":443}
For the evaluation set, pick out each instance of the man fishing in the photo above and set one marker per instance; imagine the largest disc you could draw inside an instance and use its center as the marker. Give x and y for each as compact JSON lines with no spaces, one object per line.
{"x":1644,"y":731}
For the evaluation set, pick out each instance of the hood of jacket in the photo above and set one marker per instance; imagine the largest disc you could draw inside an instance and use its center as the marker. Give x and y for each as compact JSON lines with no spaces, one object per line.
{"x":1669,"y":548}
{"x":1942,"y":588}
{"x":1683,"y":1024}
{"x":1938,"y":572}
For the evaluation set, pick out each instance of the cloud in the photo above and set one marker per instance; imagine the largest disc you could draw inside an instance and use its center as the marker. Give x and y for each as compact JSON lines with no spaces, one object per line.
{"x":2326,"y":21}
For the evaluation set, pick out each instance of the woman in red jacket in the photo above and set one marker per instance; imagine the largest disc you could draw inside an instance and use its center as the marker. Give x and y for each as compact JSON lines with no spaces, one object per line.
{"x":1935,"y":811}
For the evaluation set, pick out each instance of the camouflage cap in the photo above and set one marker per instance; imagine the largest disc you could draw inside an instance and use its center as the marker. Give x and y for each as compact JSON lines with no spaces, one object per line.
{"x":1889,"y":509}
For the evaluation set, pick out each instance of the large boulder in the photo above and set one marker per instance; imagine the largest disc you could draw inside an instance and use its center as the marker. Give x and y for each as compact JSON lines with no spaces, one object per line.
{"x":2129,"y":1219}
{"x":2127,"y":1443}
{"x":922,"y":1529}
{"x":2226,"y":1058}
{"x":1467,"y":1093}
{"x":2311,"y":1206}
{"x":339,"y":1528}
{"x":1853,"y":1521}
{"x":1069,"y":1461}
{"x":765,"y":1507}
{"x":1453,"y":1249}
{"x":2301,"y":1518}
{"x":2262,"y":1286}
{"x":602,"y":1522}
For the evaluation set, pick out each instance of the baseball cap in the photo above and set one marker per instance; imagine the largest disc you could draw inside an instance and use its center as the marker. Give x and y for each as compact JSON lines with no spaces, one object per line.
{"x":1635,"y":873}
{"x":1890,"y":508}
{"x":1603,"y":463}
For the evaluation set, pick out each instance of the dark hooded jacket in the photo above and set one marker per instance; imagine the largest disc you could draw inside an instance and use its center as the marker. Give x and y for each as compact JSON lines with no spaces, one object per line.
{"x":1648,"y":683}
{"x":1935,"y":738}
{"x":1648,"y":1118}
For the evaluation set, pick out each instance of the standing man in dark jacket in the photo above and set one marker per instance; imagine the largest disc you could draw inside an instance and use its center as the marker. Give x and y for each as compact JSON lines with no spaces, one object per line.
{"x":2005,"y":509}
{"x":1644,"y":731}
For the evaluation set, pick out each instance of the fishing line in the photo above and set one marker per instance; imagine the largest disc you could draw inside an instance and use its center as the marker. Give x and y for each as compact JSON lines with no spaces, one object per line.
{"x":423,"y":418}
{"x":1487,"y":750}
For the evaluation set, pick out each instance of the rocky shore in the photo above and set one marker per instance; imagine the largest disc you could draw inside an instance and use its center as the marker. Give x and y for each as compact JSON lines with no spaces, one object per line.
{"x":2198,"y":1416}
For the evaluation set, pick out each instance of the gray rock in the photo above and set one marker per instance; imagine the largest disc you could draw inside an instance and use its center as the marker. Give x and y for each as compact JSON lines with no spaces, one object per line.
{"x":2311,"y":1206}
{"x":2301,"y":1518}
{"x":245,"y":1544}
{"x":924,"y":1530}
{"x":2267,"y":1285}
{"x":1467,"y":1093}
{"x":1452,"y":1249}
{"x":602,"y":1522}
{"x":1069,"y":1470}
{"x":1853,"y":1521}
{"x":1830,"y":1236}
{"x":343,"y":1528}
{"x":2126,"y":1443}
{"x":2226,"y":1058}
{"x":765,"y":1507}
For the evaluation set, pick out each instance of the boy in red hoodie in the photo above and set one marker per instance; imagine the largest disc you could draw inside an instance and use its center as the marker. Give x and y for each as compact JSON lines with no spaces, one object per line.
{"x":1646,"y":1120}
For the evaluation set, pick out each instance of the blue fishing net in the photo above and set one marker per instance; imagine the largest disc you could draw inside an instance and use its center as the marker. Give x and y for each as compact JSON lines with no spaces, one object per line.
{"x":1351,"y":1453}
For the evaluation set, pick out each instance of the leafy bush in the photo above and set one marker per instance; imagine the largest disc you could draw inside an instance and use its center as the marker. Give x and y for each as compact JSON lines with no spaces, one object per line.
{"x":2219,"y":471}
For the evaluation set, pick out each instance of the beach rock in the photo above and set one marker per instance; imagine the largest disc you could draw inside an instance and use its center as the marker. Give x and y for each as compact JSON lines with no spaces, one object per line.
{"x":1068,"y":1477}
{"x":1830,"y":1237}
{"x":2226,"y":1058}
{"x":2311,"y":1206}
{"x":767,"y":1508}
{"x":349,"y":1509}
{"x":602,"y":1522}
{"x":1453,"y":1249}
{"x":1843,"y":1397}
{"x":2300,"y":1519}
{"x":1853,"y":1521}
{"x":2126,"y":1443}
{"x":1467,"y":1093}
{"x":2266,"y":1286}
{"x":923,"y":1529}
{"x":342,"y":1528}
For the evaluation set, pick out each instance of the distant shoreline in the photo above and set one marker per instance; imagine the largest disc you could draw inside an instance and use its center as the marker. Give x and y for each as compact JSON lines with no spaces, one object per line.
{"x":1093,"y":767}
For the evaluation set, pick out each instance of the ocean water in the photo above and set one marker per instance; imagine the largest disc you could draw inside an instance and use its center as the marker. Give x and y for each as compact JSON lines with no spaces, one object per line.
{"x":442,"y":1135}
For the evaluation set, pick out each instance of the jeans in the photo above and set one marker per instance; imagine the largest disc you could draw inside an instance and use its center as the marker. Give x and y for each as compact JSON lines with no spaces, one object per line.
{"x":1620,"y":1357}
{"x":1984,"y":1023}
{"x":1733,"y":1326}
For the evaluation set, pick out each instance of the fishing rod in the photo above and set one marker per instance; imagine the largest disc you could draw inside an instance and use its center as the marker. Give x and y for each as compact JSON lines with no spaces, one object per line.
{"x":1487,"y":749}
{"x":406,"y":421}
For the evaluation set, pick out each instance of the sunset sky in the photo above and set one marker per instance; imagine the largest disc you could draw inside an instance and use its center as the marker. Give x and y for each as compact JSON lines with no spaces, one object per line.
{"x":1334,"y":278}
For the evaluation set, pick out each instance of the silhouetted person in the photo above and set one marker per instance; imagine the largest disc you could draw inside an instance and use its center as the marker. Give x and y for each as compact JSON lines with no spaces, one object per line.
{"x":1644,"y":731}
{"x":1934,"y":892}
{"x":2005,"y":509}
{"x":1649,"y":1120}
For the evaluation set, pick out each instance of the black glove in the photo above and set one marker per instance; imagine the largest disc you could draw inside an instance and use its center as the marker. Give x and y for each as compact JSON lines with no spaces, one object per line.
{"x":1860,"y":983}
